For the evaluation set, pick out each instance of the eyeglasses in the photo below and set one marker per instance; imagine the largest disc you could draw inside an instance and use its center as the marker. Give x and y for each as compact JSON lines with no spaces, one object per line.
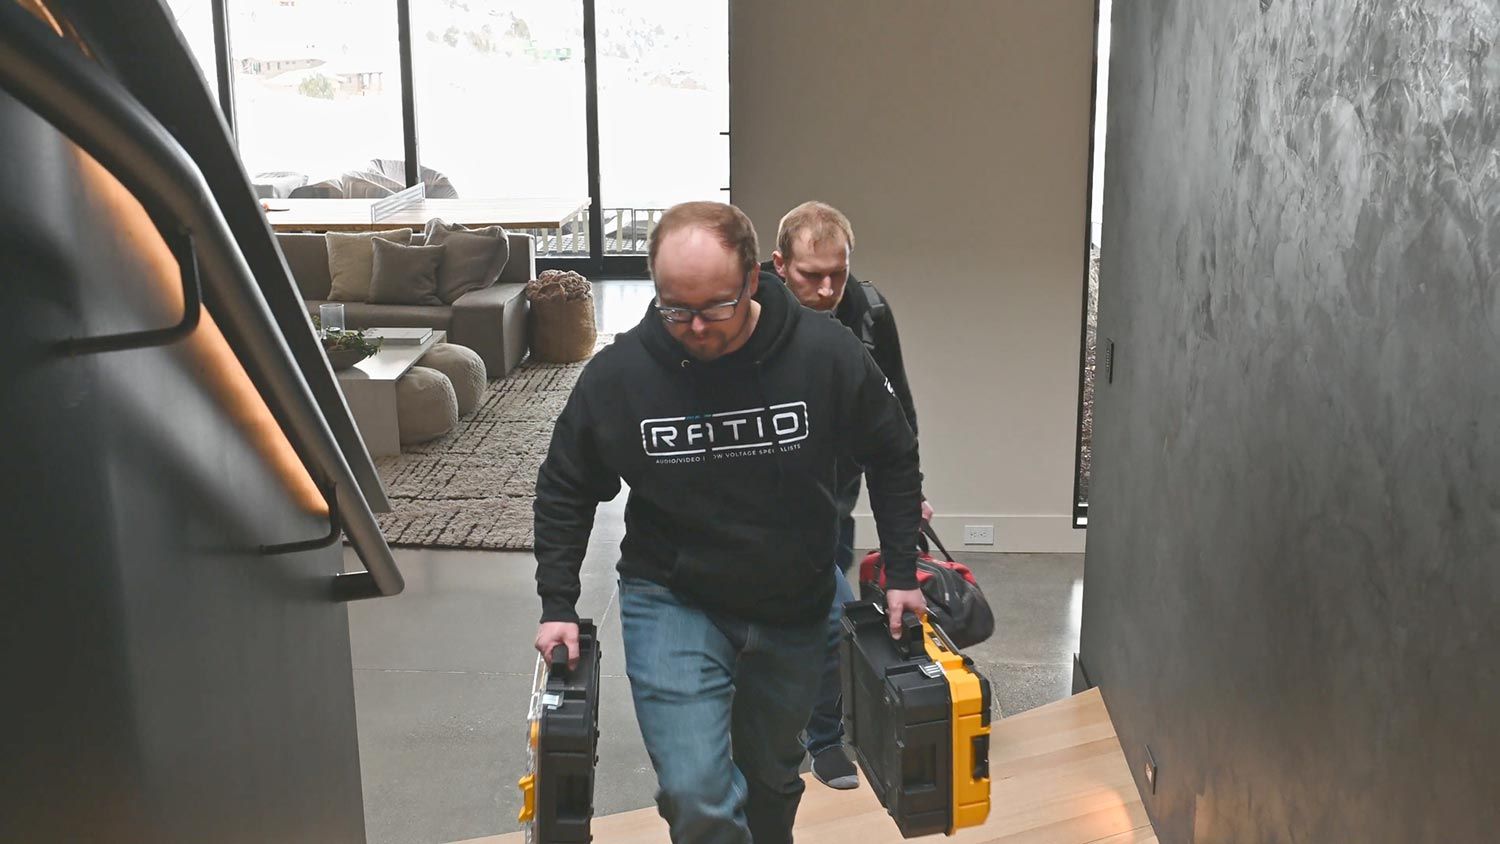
{"x":712,"y":313}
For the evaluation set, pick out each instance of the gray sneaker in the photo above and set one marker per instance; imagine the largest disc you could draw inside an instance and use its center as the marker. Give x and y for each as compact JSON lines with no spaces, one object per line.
{"x":833,"y":769}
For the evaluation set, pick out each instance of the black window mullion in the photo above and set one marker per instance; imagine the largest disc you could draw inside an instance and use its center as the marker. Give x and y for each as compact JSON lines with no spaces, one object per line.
{"x":408,"y":93}
{"x":224,"y":63}
{"x":591,"y":119}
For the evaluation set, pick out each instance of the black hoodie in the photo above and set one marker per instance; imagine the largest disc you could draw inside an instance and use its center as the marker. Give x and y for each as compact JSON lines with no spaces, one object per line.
{"x":731,"y":466}
{"x":875,"y":326}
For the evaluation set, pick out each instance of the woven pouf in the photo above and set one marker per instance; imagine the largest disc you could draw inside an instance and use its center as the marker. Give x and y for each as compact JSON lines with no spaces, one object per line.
{"x":560,"y":320}
{"x":426,"y":406}
{"x":464,"y":367}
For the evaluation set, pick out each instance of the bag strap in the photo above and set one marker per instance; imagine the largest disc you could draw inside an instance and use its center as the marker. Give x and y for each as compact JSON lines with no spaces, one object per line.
{"x":876,"y":301}
{"x":928,"y":533}
{"x":922,"y":537}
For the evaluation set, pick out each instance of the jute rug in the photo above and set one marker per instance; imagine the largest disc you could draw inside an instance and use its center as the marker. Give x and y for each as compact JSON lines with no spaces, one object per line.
{"x":474,"y":487}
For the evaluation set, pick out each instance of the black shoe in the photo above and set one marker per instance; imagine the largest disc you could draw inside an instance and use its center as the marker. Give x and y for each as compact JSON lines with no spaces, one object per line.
{"x":833,"y":769}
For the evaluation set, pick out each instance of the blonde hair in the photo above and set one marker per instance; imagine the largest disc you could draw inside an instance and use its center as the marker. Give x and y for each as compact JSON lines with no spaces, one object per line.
{"x":821,"y":221}
{"x":728,"y":223}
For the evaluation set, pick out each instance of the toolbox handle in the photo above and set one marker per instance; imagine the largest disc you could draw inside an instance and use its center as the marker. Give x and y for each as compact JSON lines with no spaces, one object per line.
{"x":557,"y":665}
{"x":911,"y":636}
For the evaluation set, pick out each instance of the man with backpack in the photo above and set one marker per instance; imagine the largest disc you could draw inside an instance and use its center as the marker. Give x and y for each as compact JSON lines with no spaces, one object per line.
{"x":813,"y":247}
{"x":731,"y":445}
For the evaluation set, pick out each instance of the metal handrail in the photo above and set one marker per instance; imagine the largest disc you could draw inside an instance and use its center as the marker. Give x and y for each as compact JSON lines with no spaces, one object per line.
{"x":192,"y":299}
{"x":98,"y":114}
{"x":335,"y":530}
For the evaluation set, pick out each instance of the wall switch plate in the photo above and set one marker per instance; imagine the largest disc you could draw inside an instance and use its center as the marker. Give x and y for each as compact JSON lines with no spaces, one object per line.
{"x":1150,"y":770}
{"x":979,"y":534}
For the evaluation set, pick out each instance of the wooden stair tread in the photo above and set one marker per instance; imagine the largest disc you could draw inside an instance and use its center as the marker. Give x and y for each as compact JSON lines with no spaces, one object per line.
{"x":1058,"y":776}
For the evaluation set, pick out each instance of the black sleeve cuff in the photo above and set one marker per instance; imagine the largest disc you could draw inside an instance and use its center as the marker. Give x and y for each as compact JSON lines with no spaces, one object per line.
{"x":558,"y":609}
{"x":900,"y":570}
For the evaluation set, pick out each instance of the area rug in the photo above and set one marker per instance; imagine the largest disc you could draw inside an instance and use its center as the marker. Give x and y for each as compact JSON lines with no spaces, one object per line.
{"x":473,"y":488}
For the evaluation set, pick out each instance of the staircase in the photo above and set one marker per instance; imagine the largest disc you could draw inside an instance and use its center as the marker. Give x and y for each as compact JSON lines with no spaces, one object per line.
{"x":1058,"y":777}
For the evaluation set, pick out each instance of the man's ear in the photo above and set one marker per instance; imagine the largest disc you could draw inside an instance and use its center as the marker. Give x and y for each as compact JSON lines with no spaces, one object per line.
{"x":754,"y":286}
{"x":780,"y":263}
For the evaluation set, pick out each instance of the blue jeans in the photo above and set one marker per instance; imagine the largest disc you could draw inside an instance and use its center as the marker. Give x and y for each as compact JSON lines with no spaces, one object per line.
{"x":826,"y":726}
{"x":720,"y":702}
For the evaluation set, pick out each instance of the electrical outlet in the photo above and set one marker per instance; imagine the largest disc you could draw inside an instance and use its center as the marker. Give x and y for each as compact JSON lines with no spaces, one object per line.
{"x":979,"y":534}
{"x":1150,"y":770}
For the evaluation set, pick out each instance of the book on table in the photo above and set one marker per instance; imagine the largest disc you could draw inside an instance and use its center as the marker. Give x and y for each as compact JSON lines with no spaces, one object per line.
{"x":400,"y":336}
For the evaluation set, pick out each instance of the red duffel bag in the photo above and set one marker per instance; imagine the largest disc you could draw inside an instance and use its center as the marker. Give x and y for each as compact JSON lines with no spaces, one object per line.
{"x":953,"y":595}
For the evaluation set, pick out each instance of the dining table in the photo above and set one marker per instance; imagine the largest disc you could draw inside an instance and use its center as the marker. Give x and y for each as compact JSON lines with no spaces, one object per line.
{"x":358,"y":215}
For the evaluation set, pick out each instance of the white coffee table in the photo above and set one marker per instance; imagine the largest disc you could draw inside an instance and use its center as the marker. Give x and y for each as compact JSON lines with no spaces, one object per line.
{"x":370,"y":391}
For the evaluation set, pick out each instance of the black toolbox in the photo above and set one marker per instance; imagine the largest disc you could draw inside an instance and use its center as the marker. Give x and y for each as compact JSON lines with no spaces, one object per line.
{"x":557,"y":792}
{"x":917,"y":715}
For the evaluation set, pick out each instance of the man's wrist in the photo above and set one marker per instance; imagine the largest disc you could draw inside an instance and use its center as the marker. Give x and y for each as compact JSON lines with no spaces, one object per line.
{"x":558,"y":609}
{"x":902,"y":578}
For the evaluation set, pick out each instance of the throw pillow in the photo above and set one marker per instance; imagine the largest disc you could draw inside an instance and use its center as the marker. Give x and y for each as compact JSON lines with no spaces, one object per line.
{"x":474,"y":260}
{"x":351,"y":261}
{"x":405,"y":275}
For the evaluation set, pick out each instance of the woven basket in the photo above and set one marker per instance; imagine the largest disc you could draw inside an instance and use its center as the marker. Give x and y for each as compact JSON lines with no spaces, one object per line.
{"x":561,"y":321}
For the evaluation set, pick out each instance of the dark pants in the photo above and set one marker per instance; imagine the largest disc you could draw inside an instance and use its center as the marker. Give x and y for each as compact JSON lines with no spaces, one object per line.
{"x":826,"y":726}
{"x":720,"y":702}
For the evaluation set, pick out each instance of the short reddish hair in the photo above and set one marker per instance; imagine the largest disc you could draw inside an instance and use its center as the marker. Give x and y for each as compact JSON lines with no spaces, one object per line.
{"x":821,"y":221}
{"x":728,"y":223}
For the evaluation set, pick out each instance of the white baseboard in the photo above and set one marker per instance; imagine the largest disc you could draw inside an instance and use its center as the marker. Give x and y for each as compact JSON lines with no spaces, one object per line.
{"x":1013,"y":534}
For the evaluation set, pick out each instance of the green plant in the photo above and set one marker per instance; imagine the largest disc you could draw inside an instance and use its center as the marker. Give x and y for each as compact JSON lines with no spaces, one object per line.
{"x":318,"y":86}
{"x":338,"y":341}
{"x":349,"y":340}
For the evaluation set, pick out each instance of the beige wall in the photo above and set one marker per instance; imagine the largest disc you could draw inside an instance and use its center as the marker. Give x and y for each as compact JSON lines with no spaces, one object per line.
{"x":955,"y":134}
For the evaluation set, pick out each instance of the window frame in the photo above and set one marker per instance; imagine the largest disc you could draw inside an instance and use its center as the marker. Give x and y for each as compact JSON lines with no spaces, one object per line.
{"x":597,"y":263}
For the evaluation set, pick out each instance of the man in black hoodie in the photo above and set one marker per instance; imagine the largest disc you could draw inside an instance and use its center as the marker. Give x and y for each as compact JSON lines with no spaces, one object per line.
{"x":813,"y":247}
{"x":729,"y":441}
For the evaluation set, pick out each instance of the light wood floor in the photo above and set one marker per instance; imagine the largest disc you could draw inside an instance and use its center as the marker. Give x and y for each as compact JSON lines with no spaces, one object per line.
{"x":1058,"y":778}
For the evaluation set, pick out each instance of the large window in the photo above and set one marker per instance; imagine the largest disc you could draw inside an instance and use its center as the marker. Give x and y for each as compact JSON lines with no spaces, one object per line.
{"x":663,"y":111}
{"x":500,"y":96}
{"x":317,"y":88}
{"x":1091,"y":350}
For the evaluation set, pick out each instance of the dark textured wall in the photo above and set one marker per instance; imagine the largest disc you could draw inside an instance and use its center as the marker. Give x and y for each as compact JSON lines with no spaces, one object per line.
{"x":1292,"y":590}
{"x":162,"y":679}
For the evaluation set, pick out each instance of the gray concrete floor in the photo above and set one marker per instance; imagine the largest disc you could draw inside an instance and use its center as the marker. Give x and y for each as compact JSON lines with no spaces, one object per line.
{"x":442,"y":672}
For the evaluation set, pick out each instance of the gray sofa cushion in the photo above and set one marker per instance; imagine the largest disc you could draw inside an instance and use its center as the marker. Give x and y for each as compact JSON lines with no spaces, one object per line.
{"x":307,"y":258}
{"x":351,"y":261}
{"x":366,"y":315}
{"x":491,"y":321}
{"x":405,"y":275}
{"x":475,"y":257}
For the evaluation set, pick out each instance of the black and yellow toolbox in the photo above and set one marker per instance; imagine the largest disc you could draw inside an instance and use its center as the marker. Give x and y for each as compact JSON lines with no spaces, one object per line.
{"x":557,"y":792}
{"x":917,"y":714}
